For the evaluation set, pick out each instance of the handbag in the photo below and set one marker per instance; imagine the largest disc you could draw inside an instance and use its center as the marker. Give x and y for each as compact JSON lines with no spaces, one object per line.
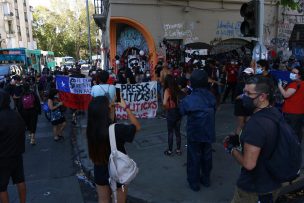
{"x":56,"y":115}
{"x":122,"y":169}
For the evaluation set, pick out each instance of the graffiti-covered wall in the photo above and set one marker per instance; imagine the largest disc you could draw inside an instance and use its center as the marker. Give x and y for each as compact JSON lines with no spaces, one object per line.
{"x":206,"y":21}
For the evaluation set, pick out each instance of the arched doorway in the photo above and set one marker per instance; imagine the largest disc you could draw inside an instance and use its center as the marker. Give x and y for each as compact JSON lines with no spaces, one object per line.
{"x":114,"y":24}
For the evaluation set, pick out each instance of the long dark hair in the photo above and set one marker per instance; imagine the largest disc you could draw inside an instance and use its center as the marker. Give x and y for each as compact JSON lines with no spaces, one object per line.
{"x":174,"y":90}
{"x":98,"y":130}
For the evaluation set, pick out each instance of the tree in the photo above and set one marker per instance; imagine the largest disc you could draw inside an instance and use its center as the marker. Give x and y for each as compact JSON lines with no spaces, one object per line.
{"x":292,"y":4}
{"x":62,"y":28}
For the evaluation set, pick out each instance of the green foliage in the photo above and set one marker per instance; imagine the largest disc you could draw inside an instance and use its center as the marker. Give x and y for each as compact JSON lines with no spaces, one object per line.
{"x":63,"y":29}
{"x":292,"y":4}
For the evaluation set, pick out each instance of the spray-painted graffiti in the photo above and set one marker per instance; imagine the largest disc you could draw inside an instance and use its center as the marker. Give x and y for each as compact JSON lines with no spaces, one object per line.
{"x":181,"y":30}
{"x":279,"y":42}
{"x":130,"y":37}
{"x":226,"y":28}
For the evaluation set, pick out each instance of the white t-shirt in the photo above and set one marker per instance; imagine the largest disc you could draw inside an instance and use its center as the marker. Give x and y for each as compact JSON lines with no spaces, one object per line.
{"x":101,"y":90}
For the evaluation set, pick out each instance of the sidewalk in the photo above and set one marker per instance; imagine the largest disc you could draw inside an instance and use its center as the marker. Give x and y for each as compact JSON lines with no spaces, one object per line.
{"x":49,"y":169}
{"x":162,"y":179}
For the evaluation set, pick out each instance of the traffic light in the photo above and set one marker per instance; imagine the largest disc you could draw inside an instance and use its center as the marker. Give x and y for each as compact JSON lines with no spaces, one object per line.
{"x":249,"y":11}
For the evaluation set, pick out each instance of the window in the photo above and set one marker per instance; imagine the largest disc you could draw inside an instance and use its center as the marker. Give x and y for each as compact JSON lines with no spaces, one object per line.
{"x":17,"y":13}
{"x":10,"y":27}
{"x":24,"y":2}
{"x":16,"y":1}
{"x":25,"y":16}
{"x":27,"y":32}
{"x":6,"y":9}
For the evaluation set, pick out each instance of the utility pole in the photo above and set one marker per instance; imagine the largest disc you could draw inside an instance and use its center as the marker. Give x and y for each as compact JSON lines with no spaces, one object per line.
{"x":260,"y":51}
{"x":89,"y":31}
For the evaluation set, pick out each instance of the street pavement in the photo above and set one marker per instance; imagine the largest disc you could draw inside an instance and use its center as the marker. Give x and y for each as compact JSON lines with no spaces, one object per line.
{"x":162,"y":179}
{"x":53,"y":171}
{"x":50,"y":172}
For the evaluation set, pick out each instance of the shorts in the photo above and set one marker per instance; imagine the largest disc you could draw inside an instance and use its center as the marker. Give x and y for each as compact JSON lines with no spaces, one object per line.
{"x":11,"y":168}
{"x":239,"y":109}
{"x":101,"y":175}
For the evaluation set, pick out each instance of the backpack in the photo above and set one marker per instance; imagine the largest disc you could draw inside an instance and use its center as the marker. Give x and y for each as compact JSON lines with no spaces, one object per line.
{"x":285,"y":161}
{"x":122,"y":169}
{"x":28,"y":101}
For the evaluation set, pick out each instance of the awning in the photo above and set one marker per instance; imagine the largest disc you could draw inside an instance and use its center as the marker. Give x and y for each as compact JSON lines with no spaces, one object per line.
{"x":232,"y":44}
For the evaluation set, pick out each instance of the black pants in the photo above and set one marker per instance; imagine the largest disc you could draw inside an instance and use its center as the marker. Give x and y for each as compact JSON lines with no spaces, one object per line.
{"x":30,"y":118}
{"x":173,"y":125}
{"x":199,"y":162}
{"x":295,"y":121}
{"x":230,"y":87}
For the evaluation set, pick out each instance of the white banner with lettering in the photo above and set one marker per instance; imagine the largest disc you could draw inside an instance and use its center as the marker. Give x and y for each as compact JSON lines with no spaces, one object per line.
{"x":142,"y":98}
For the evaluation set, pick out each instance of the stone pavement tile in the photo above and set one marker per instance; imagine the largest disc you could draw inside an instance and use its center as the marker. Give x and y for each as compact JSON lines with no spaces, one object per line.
{"x":61,"y":190}
{"x":49,"y":169}
{"x":162,"y":179}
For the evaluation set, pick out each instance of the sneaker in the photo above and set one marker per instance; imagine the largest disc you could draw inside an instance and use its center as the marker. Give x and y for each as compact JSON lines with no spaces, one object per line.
{"x":33,"y":141}
{"x":178,"y":152}
{"x":168,"y":152}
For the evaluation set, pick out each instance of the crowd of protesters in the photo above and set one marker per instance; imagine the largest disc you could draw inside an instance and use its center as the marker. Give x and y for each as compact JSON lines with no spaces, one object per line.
{"x":194,"y":92}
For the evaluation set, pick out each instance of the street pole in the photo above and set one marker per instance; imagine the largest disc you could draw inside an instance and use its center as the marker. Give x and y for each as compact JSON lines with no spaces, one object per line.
{"x":89,"y":31}
{"x":263,"y":49}
{"x":261,"y":21}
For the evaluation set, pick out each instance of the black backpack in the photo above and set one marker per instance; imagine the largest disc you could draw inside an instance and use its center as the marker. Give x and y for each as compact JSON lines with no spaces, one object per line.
{"x":285,"y":161}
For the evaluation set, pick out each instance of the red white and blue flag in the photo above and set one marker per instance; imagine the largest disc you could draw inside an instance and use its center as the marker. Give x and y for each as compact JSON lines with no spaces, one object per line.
{"x":75,"y":93}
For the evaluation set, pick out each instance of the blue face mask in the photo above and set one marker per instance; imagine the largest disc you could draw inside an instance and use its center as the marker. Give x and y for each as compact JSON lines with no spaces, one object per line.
{"x":293,"y":76}
{"x":259,"y":71}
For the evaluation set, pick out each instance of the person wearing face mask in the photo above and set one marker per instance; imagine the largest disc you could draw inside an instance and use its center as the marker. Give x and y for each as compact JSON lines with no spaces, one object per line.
{"x":256,"y":143}
{"x":262,"y":68}
{"x":293,"y":94}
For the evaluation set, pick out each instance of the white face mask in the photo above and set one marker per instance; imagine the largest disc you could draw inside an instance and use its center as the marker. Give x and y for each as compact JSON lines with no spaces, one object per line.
{"x":293,"y":76}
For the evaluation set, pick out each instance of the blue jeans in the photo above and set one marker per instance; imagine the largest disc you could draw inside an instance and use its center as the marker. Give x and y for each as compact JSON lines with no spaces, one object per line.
{"x":199,"y":162}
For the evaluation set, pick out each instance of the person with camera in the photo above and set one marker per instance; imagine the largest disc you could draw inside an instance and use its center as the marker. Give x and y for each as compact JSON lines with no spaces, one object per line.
{"x":255,"y":144}
{"x":99,"y":120}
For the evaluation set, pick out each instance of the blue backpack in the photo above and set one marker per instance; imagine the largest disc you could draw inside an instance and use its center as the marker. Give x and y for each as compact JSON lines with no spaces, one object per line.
{"x":285,"y":161}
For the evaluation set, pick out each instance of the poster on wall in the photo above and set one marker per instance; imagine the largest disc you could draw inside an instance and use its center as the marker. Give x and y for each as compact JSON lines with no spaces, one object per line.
{"x":195,"y":55}
{"x":142,"y":98}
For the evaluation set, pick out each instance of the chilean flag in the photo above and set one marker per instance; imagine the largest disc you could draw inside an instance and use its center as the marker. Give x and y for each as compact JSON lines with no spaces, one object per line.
{"x":74,"y":92}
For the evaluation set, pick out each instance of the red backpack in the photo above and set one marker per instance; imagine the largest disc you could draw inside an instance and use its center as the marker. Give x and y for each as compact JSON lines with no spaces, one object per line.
{"x":28,"y":101}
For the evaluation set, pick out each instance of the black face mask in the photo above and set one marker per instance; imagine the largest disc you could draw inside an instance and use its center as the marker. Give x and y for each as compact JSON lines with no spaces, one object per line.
{"x":248,"y":103}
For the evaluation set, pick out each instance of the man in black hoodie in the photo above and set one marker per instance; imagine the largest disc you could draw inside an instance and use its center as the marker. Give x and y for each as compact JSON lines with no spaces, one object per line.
{"x":12,"y":146}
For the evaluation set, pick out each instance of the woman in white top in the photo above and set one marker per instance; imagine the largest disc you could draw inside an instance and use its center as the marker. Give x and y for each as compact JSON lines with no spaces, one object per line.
{"x":104,"y":89}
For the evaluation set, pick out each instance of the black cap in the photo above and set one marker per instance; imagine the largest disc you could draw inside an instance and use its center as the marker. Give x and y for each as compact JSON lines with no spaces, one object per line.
{"x":199,"y":79}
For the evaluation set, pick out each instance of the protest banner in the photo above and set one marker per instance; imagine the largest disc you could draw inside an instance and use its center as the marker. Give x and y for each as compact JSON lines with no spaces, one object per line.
{"x":141,"y":97}
{"x":75,"y":93}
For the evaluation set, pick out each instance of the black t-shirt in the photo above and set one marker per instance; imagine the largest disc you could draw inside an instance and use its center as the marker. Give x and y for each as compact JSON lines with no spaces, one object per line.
{"x":12,"y":134}
{"x":124,"y":133}
{"x":130,"y":75}
{"x":158,"y":69}
{"x":260,"y":132}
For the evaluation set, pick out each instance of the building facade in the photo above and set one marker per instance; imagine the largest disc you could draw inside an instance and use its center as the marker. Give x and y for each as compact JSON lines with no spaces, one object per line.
{"x":16,"y":24}
{"x":165,"y":29}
